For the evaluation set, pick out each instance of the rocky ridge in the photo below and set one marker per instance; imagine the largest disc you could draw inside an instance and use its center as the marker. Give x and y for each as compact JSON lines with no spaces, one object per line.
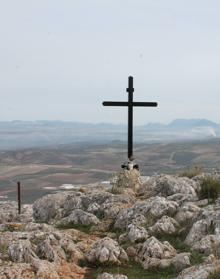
{"x":159,"y":223}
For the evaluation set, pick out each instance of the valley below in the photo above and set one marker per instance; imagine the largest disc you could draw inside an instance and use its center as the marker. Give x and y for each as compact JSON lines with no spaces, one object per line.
{"x":60,"y":168}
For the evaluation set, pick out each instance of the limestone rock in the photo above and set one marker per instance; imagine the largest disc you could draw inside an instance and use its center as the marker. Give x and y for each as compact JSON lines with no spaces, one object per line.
{"x":93,"y":208}
{"x":100,"y":203}
{"x":9,"y":212}
{"x":106,"y":275}
{"x":187,"y":212}
{"x":106,"y":250}
{"x":140,"y":211}
{"x":153,"y":251}
{"x":17,"y":271}
{"x":45,"y":270}
{"x":49,"y":207}
{"x":30,"y":226}
{"x":127,"y":217}
{"x":127,"y":179}
{"x":166,"y":225}
{"x":200,"y":271}
{"x":204,"y":235}
{"x":134,"y":234}
{"x":21,"y":251}
{"x":168,"y":185}
{"x":79,"y":217}
{"x":156,"y":206}
{"x":45,"y":251}
{"x":208,"y":244}
{"x":181,"y":261}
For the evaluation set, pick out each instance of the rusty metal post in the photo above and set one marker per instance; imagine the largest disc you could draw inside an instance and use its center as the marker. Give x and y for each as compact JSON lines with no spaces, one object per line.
{"x":19,"y":197}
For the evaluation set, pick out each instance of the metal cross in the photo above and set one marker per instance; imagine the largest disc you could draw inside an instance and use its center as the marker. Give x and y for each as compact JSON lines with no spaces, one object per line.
{"x":130,"y":104}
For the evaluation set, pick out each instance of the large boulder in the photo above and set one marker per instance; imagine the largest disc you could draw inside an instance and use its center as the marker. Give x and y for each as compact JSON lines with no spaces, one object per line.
{"x":140,"y":212}
{"x":49,"y":207}
{"x":168,"y":185}
{"x":156,"y":206}
{"x":106,"y":251}
{"x":166,"y":225}
{"x":153,"y":253}
{"x":187,"y":212}
{"x":127,"y":217}
{"x":181,"y":261}
{"x":202,"y":271}
{"x":46,"y":251}
{"x":204,"y":235}
{"x":127,"y":179}
{"x":134,"y":234}
{"x":9,"y":212}
{"x":21,"y":251}
{"x":54,"y":207}
{"x":79,"y":217}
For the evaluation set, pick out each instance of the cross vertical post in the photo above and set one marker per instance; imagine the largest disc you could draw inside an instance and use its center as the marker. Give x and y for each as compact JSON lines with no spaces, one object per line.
{"x":130,"y":91}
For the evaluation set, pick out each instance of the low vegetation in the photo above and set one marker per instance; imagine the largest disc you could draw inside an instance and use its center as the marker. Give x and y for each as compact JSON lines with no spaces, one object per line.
{"x":210,"y":189}
{"x":177,"y":241}
{"x":82,"y":228}
{"x":133,"y":271}
{"x":194,"y":171}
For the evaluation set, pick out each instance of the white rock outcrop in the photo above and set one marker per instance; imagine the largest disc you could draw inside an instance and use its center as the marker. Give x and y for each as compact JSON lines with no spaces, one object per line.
{"x":165,"y":225}
{"x":153,"y":253}
{"x":106,"y":275}
{"x":106,"y":250}
{"x":168,"y":185}
{"x":139,"y":213}
{"x":79,"y":217}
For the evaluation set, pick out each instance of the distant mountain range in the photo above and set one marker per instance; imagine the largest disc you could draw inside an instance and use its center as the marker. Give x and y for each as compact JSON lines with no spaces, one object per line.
{"x":29,"y":134}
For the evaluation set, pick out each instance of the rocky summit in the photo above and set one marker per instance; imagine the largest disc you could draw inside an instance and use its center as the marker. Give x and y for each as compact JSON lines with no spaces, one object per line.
{"x":164,"y":226}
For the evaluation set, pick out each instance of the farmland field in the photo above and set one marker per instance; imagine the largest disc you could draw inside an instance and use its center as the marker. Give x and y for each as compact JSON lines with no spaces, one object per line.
{"x":44,"y":170}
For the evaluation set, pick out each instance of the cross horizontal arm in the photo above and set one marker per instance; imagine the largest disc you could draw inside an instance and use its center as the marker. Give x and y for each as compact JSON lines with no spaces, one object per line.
{"x":115,"y":104}
{"x":134,"y":104}
{"x":144,"y":104}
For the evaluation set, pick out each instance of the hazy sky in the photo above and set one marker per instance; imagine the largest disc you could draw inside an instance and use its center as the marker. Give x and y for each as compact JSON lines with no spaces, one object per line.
{"x":59,"y":59}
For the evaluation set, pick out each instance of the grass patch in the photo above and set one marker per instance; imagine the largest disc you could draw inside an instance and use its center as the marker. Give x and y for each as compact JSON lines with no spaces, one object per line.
{"x":216,"y":251}
{"x":196,"y":258}
{"x":150,"y":220}
{"x":38,"y":240}
{"x":210,"y":189}
{"x":194,"y":171}
{"x":3,"y":248}
{"x":133,"y":271}
{"x":177,"y":241}
{"x":82,"y":228}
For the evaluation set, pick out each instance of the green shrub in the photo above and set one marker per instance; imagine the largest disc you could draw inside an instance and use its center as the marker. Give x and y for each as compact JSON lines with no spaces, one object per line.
{"x":196,"y":258}
{"x":210,"y":189}
{"x":82,"y":228}
{"x":134,"y":271}
{"x":194,"y":171}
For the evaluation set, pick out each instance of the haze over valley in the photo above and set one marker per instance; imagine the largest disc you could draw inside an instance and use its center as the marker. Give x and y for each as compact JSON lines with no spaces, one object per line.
{"x":30,"y":134}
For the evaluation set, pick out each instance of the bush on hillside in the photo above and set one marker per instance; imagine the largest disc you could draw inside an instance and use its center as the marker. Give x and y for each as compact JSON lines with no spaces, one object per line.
{"x":210,"y":189}
{"x":194,"y":171}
